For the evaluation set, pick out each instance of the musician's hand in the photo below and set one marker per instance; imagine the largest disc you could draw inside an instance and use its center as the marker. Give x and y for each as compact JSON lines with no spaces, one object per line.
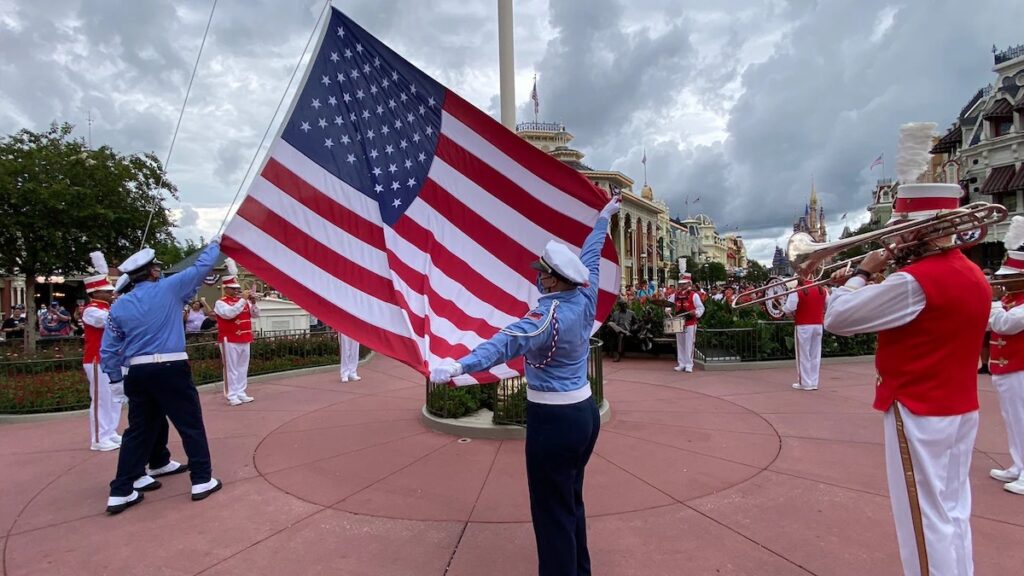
{"x":612,"y":207}
{"x":998,"y":292}
{"x":839,"y":277}
{"x":876,"y":261}
{"x":247,"y":294}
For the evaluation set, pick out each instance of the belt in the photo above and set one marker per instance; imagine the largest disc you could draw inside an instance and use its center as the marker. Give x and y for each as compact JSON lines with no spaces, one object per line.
{"x":156,"y":358}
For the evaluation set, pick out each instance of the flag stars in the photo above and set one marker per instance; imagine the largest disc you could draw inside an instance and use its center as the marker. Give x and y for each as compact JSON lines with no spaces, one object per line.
{"x":341,"y":32}
{"x":329,"y":143}
{"x":398,"y":124}
{"x":378,"y":188}
{"x":360,"y":94}
{"x":316,"y":103}
{"x":322,"y":123}
{"x":332,"y":100}
{"x":410,"y":117}
{"x":338,"y":121}
{"x":385,"y":83}
{"x":348,"y":53}
{"x":370,"y":134}
{"x":325,"y":80}
{"x":431,"y":102}
{"x":376,"y":61}
{"x":366,"y":68}
{"x":411,"y":182}
{"x":380,"y":110}
{"x":392,"y":103}
{"x":395,"y":186}
{"x":359,"y":48}
{"x":403,"y":97}
{"x":429,"y":130}
{"x":305,"y":127}
{"x":340,"y":77}
{"x":366,"y":114}
{"x":334,"y":57}
{"x":416,"y":137}
{"x":408,"y":164}
{"x":393,"y":168}
{"x":385,"y":130}
{"x":389,"y":149}
{"x":397,"y":202}
{"x":403,"y":144}
{"x":351,"y":158}
{"x":374,"y":154}
{"x":345,"y":139}
{"x":377,"y":171}
{"x":374,"y":89}
{"x":394,"y":75}
{"x":422,"y":157}
{"x":353,"y":74}
{"x":423,"y":109}
{"x":345,"y":96}
{"x":412,"y":88}
{"x":352,"y":116}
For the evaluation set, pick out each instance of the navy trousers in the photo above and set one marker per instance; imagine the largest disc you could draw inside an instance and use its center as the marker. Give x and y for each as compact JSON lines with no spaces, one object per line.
{"x":155,"y":390}
{"x":559,"y":441}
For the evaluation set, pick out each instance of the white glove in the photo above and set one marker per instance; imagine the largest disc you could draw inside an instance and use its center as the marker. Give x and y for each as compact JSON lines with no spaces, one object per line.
{"x":216,"y":239}
{"x":445,"y":372}
{"x":117,"y":391}
{"x":611,"y":208}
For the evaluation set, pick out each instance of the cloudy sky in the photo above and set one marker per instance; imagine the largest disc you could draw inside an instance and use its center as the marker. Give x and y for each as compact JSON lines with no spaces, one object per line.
{"x":739,"y":103}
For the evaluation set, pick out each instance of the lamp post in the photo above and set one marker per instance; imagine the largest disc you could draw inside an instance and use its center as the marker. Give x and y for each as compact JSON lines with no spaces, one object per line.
{"x":707,"y":271}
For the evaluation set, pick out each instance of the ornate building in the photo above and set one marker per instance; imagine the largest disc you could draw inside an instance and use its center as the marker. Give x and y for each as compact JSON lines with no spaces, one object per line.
{"x":813,"y":220}
{"x":984,"y":150}
{"x":881,"y":202}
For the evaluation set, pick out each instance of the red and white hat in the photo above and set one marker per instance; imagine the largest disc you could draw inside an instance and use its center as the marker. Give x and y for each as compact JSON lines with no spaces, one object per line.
{"x":684,"y":276}
{"x":1014,"y":241}
{"x":917,"y":201}
{"x":231,"y":279}
{"x":99,"y":281}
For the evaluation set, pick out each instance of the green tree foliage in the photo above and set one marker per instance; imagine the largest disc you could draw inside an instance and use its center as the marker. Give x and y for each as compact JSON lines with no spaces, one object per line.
{"x":64,"y":200}
{"x":756,"y":273}
{"x":705,"y":273}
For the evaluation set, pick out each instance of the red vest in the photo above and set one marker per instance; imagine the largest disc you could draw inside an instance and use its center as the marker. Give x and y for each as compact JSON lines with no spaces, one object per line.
{"x":810,"y":306}
{"x":237,"y":330}
{"x":930,"y":364}
{"x":93,"y":335}
{"x":684,"y":303}
{"x":1006,"y":351}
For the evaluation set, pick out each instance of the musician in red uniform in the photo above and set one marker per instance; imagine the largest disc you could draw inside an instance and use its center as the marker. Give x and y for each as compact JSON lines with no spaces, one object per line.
{"x":687,"y":301}
{"x":1006,"y":361}
{"x":235,"y":312}
{"x":104,"y":408}
{"x":930,"y":318}
{"x":807,"y":306}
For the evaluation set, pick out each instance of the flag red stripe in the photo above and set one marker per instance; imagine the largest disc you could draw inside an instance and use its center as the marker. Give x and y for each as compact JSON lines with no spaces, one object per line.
{"x":454,"y":267}
{"x":533,"y":159}
{"x":328,"y":208}
{"x":383,"y":341}
{"x":508,"y":192}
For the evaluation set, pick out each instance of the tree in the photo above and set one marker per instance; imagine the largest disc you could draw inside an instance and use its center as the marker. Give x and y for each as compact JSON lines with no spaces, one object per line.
{"x":65,"y":200}
{"x":756,"y":273}
{"x":174,"y":252}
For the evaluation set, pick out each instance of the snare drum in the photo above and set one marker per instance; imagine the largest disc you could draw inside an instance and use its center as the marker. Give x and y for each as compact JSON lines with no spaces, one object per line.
{"x":674,"y":325}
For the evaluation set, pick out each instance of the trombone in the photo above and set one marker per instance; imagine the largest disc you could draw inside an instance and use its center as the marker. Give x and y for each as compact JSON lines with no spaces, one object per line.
{"x":907,"y":242}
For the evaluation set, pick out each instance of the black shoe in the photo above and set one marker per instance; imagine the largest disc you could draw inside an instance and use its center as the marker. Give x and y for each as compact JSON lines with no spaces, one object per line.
{"x":204,"y":494}
{"x":121,"y":507}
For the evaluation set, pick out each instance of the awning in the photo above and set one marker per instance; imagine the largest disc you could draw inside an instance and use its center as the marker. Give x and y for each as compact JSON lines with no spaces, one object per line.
{"x":998,"y":180}
{"x":950,"y":141}
{"x":1002,"y":109}
{"x":1018,"y":181}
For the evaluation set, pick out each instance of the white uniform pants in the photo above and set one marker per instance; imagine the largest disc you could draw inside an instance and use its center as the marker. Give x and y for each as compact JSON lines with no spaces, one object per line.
{"x":808,"y":354}
{"x":684,"y":347}
{"x":349,"y":356}
{"x":1011,"y":402}
{"x":104,"y":413}
{"x":938,"y":451}
{"x":236,"y":368}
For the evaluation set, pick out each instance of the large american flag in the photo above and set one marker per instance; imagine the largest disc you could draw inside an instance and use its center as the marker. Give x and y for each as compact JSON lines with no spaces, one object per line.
{"x":401,"y":215}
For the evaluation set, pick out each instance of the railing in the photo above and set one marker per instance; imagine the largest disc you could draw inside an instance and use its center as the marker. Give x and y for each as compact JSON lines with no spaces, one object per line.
{"x":771,"y":341}
{"x":506,"y":398}
{"x":540,"y":126}
{"x":1009,"y":54}
{"x":60,"y":384}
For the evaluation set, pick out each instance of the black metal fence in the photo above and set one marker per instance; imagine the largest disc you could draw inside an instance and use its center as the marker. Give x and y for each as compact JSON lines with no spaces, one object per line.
{"x":771,"y":341}
{"x":60,"y":384}
{"x":506,"y":398}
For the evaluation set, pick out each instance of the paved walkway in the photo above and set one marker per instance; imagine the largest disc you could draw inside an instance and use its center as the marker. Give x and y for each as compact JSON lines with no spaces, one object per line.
{"x":703,"y":473}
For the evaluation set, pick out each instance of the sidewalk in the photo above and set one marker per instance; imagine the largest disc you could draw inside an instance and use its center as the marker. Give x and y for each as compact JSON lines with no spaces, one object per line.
{"x":703,"y":473}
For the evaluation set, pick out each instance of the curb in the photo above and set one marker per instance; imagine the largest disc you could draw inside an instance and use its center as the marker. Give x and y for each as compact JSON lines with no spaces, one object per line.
{"x":740,"y":366}
{"x":4,"y":418}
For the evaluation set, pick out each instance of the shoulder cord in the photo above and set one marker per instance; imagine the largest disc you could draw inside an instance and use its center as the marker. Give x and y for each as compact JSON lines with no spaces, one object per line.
{"x":543,"y":327}
{"x":554,"y":344}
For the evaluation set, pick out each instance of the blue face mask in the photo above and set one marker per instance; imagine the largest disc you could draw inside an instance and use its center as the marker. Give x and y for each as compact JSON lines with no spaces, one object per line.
{"x":540,"y":286}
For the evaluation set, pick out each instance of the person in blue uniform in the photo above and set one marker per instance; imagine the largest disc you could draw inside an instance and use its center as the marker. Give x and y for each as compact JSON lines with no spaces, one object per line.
{"x":562,"y":420}
{"x":144,"y":332}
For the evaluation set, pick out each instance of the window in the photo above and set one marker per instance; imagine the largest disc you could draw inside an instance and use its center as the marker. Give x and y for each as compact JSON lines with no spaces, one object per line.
{"x":1001,"y":126}
{"x":1009,"y":201}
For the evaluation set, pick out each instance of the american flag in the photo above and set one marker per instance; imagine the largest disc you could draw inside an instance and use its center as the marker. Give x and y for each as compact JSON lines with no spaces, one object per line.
{"x":401,"y":215}
{"x":876,"y":162}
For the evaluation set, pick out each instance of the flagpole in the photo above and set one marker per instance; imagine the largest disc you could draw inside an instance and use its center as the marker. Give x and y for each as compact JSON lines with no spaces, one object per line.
{"x":536,"y":105}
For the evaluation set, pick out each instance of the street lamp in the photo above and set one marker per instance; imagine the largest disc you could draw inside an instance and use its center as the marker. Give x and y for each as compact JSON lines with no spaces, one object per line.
{"x":707,"y":271}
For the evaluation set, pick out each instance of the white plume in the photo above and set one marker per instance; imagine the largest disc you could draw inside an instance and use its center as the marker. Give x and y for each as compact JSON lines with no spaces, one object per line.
{"x":99,"y":263}
{"x":1015,"y":234}
{"x":913,"y":156}
{"x":682,"y":265}
{"x":231,"y":266}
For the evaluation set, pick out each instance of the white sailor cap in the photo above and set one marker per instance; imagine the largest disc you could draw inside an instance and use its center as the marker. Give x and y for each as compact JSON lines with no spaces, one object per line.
{"x":559,"y":260}
{"x":136,"y":262}
{"x":121,"y":283}
{"x":918,"y":201}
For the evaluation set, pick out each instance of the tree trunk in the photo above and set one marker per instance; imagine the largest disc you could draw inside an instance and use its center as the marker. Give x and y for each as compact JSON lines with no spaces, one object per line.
{"x":32,"y":325}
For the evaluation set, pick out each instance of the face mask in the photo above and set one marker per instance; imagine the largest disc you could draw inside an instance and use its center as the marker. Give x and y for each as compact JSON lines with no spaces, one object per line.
{"x":540,"y":286}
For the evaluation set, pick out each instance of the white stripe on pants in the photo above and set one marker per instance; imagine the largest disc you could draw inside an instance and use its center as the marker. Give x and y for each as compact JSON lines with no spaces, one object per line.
{"x":1011,"y":403}
{"x":940,"y":452}
{"x":236,"y":369}
{"x":808,"y":354}
{"x":684,"y":347}
{"x":104,"y":413}
{"x":349,"y":355}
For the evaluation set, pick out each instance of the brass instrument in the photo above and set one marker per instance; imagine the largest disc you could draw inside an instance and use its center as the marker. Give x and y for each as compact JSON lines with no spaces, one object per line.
{"x":907,"y":242}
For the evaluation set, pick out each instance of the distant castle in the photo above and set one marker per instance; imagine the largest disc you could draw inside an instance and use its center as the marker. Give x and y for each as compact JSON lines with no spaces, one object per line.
{"x":813,"y":220}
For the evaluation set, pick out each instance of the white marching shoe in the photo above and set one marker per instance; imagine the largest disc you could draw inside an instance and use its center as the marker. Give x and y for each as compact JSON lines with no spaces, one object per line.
{"x":118,"y":504}
{"x":201,"y":491}
{"x":234,"y":402}
{"x":245,"y":398}
{"x":104,"y":446}
{"x":678,"y":368}
{"x":168,"y":469}
{"x":146,"y":484}
{"x":802,"y":387}
{"x":1015,"y":487}
{"x":355,"y":377}
{"x":1006,"y":476}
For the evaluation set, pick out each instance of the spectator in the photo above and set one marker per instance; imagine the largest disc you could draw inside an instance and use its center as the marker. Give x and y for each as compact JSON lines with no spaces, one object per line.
{"x":14,"y":325}
{"x":620,"y":325}
{"x":196,"y":315}
{"x":77,"y":324}
{"x":55,"y":322}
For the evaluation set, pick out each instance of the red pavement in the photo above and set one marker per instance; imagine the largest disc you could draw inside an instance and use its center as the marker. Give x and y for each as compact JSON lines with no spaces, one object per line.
{"x":703,"y":473}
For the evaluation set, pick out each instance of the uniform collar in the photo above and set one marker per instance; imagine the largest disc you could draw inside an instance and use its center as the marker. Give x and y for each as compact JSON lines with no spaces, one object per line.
{"x":560,"y":296}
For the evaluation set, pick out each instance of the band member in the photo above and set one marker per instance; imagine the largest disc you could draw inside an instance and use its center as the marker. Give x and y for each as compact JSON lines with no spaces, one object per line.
{"x":349,"y":358}
{"x":930,"y":317}
{"x":687,"y":302}
{"x":144,"y":332}
{"x":562,"y":420}
{"x":235,"y":312}
{"x":104,"y":411}
{"x":807,"y":306}
{"x":1007,"y":355}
